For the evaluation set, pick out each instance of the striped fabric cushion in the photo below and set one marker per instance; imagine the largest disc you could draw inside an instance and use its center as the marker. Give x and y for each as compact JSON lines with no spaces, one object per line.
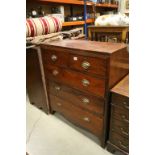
{"x":42,"y":26}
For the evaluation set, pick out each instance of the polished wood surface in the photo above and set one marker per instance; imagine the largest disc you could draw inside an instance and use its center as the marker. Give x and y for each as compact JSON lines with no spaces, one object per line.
{"x":34,"y":82}
{"x":83,"y":100}
{"x":78,"y":115}
{"x":76,"y":80}
{"x":74,"y":61}
{"x":89,"y":46}
{"x":80,"y":80}
{"x":119,"y":119}
{"x":119,"y":67}
{"x":122,"y":87}
{"x":96,"y":65}
{"x":55,"y":57}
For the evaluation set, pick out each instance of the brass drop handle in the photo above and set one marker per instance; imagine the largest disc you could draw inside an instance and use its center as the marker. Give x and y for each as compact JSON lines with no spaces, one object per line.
{"x":85,"y":82}
{"x":57,"y":88}
{"x":55,"y":72}
{"x":59,"y":104}
{"x":86,"y":119}
{"x":125,"y":105}
{"x":124,"y":118}
{"x":85,"y":100}
{"x":85,"y":64}
{"x":54,"y":58}
{"x":125,"y":133}
{"x":122,"y":145}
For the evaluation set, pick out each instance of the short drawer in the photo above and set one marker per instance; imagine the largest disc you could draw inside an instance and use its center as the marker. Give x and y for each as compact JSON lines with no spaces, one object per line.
{"x":121,"y":101}
{"x":55,"y":57}
{"x":76,"y":97}
{"x":120,"y":114}
{"x":76,"y":80}
{"x":77,"y":115}
{"x":88,"y":64}
{"x":119,"y":141}
{"x":119,"y":127}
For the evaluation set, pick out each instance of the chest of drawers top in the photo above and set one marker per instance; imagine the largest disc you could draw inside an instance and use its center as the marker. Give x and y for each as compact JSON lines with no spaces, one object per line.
{"x":90,"y":46}
{"x":122,"y":88}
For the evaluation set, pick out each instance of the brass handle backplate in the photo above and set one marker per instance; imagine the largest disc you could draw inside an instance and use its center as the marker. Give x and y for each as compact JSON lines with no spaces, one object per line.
{"x":85,"y":65}
{"x":55,"y":72}
{"x":54,"y":58}
{"x":85,"y":100}
{"x":57,"y":88}
{"x":85,"y":82}
{"x":86,"y":119}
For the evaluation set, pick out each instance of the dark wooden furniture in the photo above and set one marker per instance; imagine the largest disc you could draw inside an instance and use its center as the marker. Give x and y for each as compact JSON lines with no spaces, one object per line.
{"x":119,"y":122}
{"x":108,"y":33}
{"x":35,"y":85}
{"x":79,"y":75}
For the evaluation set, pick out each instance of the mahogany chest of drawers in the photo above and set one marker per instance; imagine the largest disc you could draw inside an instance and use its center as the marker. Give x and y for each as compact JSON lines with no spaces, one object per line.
{"x":79,"y":75}
{"x":119,"y":121}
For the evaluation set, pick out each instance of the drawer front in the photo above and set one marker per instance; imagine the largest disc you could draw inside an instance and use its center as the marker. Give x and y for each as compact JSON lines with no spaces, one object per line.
{"x":119,"y":127}
{"x":121,"y":101}
{"x":52,"y":57}
{"x":78,"y":98}
{"x":77,"y":80}
{"x":78,"y":116}
{"x":119,"y":141}
{"x":120,"y":114}
{"x":88,"y":64}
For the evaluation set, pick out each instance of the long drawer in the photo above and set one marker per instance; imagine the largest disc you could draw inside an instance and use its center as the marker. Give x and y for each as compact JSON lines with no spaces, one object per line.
{"x":77,"y":115}
{"x":77,"y":80}
{"x":119,"y":141}
{"x":76,"y":97}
